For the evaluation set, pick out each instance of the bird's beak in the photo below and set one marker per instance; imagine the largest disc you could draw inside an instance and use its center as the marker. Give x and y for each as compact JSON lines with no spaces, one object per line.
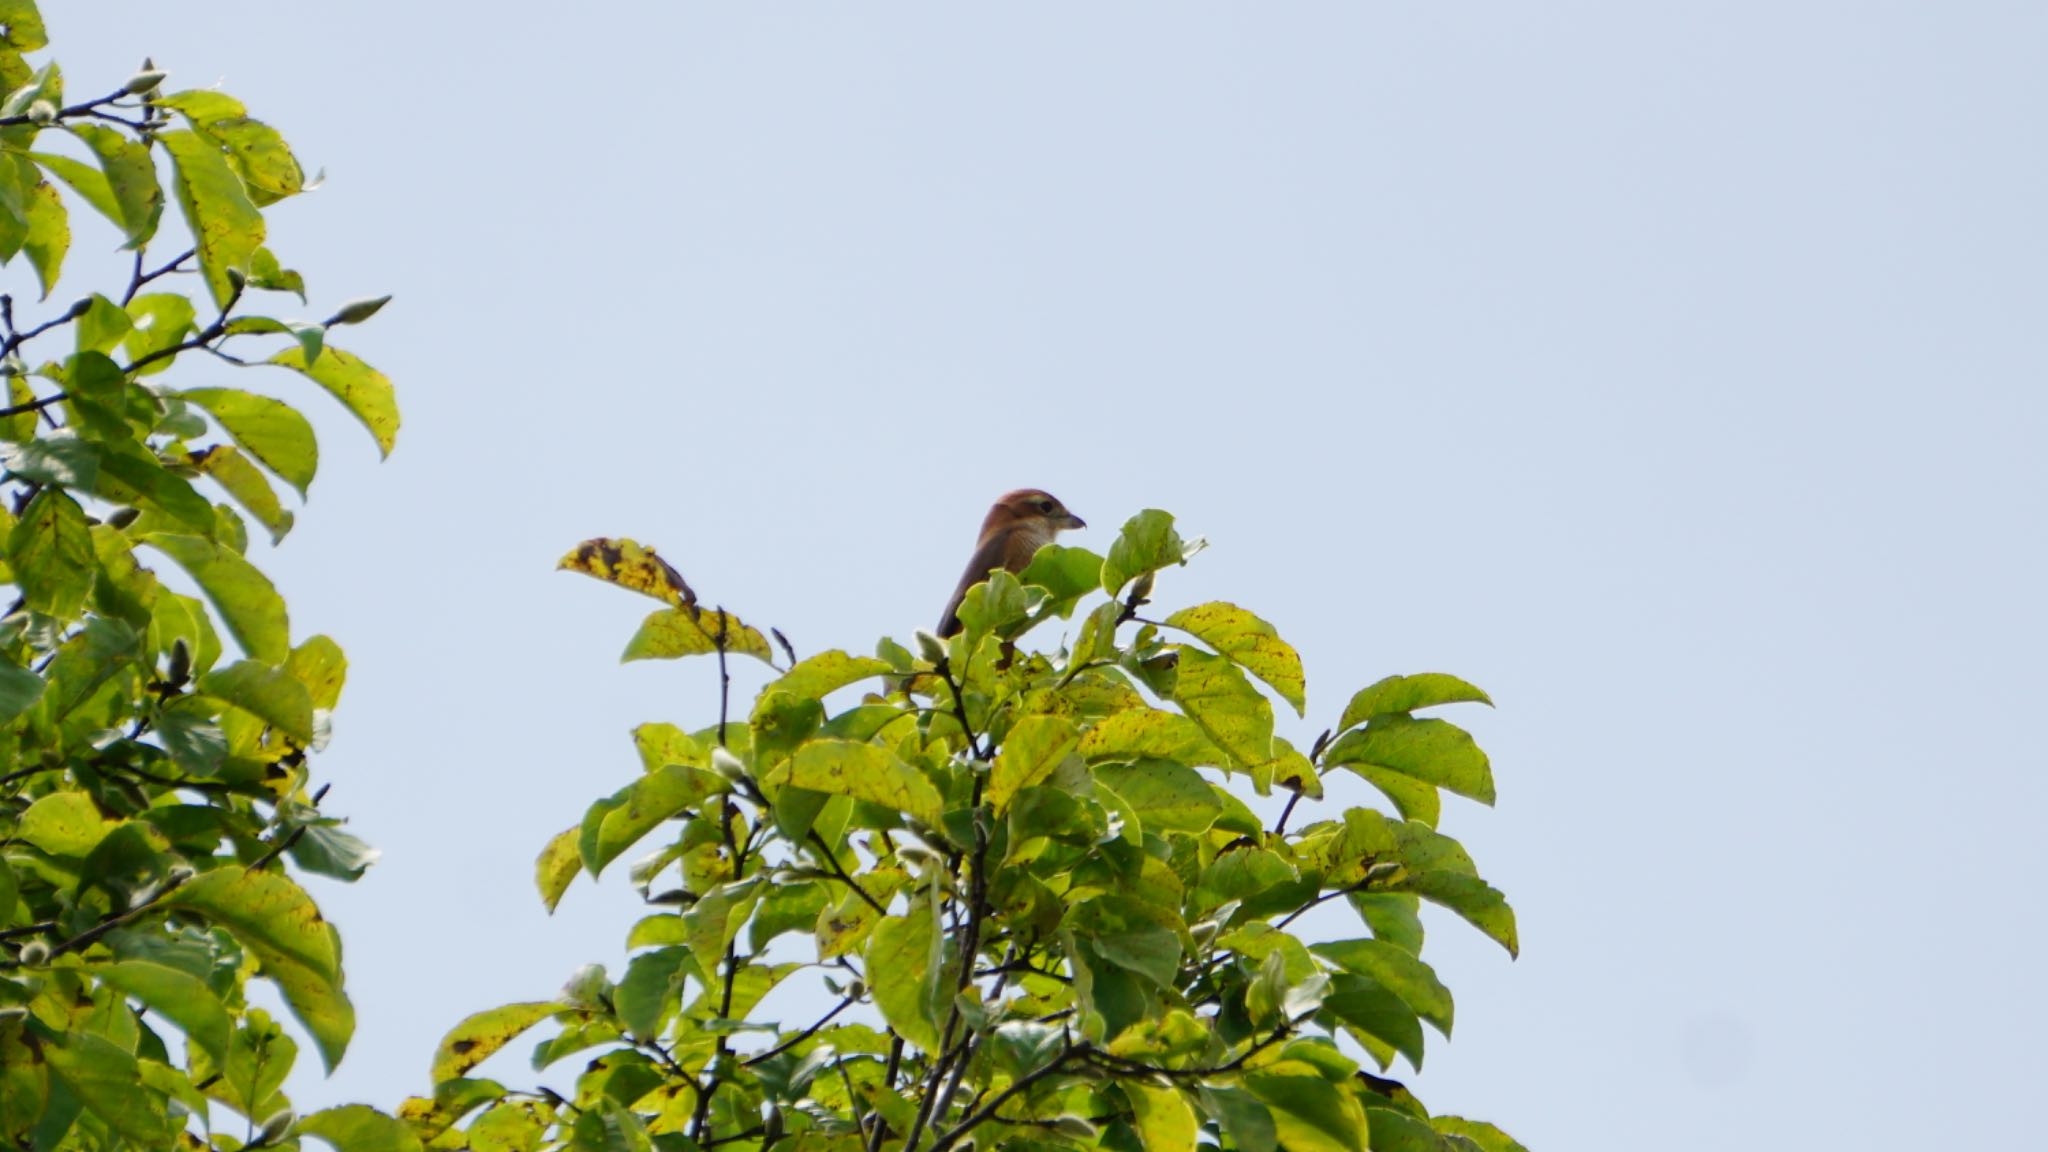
{"x":1074,"y":521}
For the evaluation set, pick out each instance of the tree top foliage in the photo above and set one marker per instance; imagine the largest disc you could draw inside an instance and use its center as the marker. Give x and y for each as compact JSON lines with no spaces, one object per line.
{"x":1027,"y":884}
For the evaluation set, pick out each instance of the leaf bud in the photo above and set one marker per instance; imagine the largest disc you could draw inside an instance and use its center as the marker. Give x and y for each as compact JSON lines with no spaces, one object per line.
{"x":144,"y":80}
{"x":237,"y":279}
{"x":274,"y":1128}
{"x":123,"y":517}
{"x":1074,"y":1128}
{"x":35,"y":954}
{"x":357,"y":311}
{"x":178,"y":875}
{"x":12,"y":1013}
{"x":180,"y":668}
{"x":42,"y":112}
{"x":728,"y":765}
{"x":917,"y":856}
{"x":930,"y":647}
{"x":856,"y":990}
{"x":1141,"y":588}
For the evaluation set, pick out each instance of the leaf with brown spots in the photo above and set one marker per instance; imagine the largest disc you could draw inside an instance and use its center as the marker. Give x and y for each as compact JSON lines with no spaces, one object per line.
{"x":630,"y":566}
{"x":473,"y":1041}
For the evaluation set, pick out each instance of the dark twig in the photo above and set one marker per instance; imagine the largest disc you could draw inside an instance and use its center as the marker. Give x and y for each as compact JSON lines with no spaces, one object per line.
{"x":832,"y":862}
{"x":800,"y":1037}
{"x":1280,"y":825}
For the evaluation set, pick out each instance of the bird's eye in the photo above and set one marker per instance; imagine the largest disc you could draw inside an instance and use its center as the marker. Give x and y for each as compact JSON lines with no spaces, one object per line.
{"x":1045,"y":506}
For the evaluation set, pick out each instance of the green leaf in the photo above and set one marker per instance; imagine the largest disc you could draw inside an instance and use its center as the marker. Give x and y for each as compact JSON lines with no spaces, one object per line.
{"x":1035,"y":747}
{"x":363,"y":390}
{"x":1433,"y":751}
{"x":270,"y":430}
{"x":715,"y":919}
{"x":19,"y":691}
{"x":51,"y":551}
{"x":1374,"y":1010}
{"x":558,"y":864}
{"x":247,"y":601}
{"x":1398,"y":971}
{"x":258,"y":155}
{"x":226,"y":228}
{"x":899,"y":964}
{"x":63,"y":824}
{"x":59,"y":458}
{"x":1413,"y":799}
{"x":1488,"y":1137}
{"x":1067,"y":573}
{"x":162,"y":321}
{"x":1167,"y":795}
{"x":359,"y":1128}
{"x":1149,"y":733}
{"x":1406,"y":694}
{"x":177,"y":996}
{"x":473,"y":1041}
{"x":246,"y":485}
{"x":1162,"y":1116}
{"x":279,"y":923}
{"x":618,"y":822}
{"x":1130,"y":935}
{"x":1232,"y":713}
{"x":1248,"y":1123}
{"x":322,"y":667}
{"x":1250,"y":642}
{"x":272,"y":695}
{"x":1310,"y":1114}
{"x":1478,"y":902}
{"x":815,"y":677}
{"x":136,"y":197}
{"x":23,"y":25}
{"x":1148,"y":543}
{"x":49,"y":234}
{"x":689,"y":631}
{"x":108,"y":1082}
{"x":864,"y":772}
{"x":652,"y":990}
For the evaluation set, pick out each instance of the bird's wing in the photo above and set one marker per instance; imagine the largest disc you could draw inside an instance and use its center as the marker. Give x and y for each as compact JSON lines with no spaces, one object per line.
{"x":989,"y":555}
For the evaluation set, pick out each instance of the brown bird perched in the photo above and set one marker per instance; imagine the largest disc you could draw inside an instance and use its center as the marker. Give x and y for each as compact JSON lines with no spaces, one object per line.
{"x":1015,"y":529}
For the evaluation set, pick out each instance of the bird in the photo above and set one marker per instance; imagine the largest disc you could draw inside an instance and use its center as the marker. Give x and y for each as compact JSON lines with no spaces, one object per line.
{"x":1019,"y":524}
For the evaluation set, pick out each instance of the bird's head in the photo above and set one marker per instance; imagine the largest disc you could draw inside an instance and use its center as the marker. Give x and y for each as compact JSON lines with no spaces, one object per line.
{"x":1038,"y":512}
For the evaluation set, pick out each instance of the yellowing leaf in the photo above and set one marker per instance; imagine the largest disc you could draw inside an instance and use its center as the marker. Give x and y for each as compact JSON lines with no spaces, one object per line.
{"x":631,"y":566}
{"x":364,"y":391}
{"x":1141,"y":733}
{"x":1231,"y":712}
{"x":471,"y":1042}
{"x":1250,"y":642}
{"x":691,"y":631}
{"x":1406,"y":694}
{"x":227,"y":228}
{"x":1034,"y":748}
{"x":278,"y":922}
{"x":1165,"y":1121}
{"x":864,"y":772}
{"x":899,"y":964}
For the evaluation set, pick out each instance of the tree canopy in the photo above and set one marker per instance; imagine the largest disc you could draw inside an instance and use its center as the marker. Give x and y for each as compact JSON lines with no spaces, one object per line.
{"x":1027,"y":884}
{"x":158,"y":715}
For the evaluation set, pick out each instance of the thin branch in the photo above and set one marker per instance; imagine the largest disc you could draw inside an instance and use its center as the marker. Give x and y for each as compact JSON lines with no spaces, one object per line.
{"x":833,"y":862}
{"x":1021,"y":1085}
{"x":1280,"y":825}
{"x":800,"y":1037}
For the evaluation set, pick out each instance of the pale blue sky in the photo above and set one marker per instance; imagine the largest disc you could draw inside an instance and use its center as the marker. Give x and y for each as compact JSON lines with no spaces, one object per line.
{"x":1673,"y":371}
